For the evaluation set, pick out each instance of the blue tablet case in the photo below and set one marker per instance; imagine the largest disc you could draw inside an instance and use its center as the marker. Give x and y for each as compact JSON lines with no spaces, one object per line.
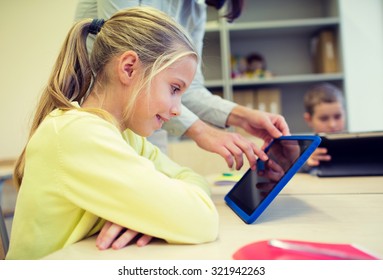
{"x":251,"y":195}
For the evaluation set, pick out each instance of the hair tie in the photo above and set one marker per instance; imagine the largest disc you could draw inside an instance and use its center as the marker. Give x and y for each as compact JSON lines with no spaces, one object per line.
{"x":95,"y":26}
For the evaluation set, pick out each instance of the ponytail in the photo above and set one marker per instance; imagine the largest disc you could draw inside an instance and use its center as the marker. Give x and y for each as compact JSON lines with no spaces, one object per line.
{"x":70,"y":80}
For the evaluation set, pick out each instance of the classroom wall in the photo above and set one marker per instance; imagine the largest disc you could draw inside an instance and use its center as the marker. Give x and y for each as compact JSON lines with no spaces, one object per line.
{"x":362,"y":39}
{"x":32,"y":32}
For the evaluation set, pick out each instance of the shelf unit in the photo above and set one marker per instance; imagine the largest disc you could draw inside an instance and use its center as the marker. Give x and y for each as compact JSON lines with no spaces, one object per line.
{"x":282,"y":31}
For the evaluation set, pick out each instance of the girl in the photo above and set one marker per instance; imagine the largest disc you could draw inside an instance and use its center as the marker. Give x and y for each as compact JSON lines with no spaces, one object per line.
{"x":87,"y":160}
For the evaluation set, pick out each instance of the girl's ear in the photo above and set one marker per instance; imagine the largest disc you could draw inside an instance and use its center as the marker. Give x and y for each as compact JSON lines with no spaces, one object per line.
{"x":128,"y":66}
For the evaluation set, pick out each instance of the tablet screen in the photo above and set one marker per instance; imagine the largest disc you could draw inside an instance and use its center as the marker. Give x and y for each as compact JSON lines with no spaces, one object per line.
{"x":256,"y":185}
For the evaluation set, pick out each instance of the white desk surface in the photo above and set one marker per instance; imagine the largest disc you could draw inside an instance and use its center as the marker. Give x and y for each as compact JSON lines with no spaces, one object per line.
{"x":334,"y":210}
{"x":6,"y":171}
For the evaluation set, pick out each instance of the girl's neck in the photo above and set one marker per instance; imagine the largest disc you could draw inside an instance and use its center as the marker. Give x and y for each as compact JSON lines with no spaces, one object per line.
{"x":106,"y":99}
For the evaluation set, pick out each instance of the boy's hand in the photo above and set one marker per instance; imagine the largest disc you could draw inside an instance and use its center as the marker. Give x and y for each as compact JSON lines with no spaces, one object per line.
{"x":320,"y":154}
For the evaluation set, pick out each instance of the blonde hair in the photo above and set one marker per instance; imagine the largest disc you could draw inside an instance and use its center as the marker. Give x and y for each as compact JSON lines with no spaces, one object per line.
{"x":157,"y":39}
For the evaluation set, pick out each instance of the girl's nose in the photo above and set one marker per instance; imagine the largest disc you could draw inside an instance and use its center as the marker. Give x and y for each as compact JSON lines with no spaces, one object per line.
{"x":175,"y":109}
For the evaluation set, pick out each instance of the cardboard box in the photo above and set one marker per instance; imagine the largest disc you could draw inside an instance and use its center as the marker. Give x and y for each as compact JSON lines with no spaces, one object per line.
{"x":325,"y":54}
{"x":267,"y":100}
{"x":245,"y":97}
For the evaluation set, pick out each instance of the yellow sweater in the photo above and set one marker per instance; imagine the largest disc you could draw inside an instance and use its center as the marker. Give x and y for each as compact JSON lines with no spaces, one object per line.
{"x":80,"y":171}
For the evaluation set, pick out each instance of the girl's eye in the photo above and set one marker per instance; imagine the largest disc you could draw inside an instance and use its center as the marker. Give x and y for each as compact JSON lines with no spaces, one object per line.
{"x":175,"y":89}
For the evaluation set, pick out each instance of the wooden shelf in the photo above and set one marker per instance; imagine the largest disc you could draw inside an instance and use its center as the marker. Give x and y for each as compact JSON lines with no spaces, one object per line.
{"x":282,"y":32}
{"x":305,"y":78}
{"x":284,"y":24}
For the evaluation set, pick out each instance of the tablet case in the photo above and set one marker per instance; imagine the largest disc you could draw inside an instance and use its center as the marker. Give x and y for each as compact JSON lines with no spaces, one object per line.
{"x":352,"y":154}
{"x":249,"y":216}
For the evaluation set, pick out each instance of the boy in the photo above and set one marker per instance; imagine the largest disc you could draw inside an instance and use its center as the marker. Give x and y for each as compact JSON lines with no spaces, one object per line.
{"x":324,"y":113}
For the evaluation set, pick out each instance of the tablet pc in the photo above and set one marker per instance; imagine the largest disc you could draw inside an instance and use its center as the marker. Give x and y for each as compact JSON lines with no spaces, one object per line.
{"x":256,"y":189}
{"x":352,"y":154}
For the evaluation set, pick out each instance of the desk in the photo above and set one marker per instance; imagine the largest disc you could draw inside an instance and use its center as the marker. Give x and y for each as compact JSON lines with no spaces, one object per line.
{"x":7,"y":191}
{"x":5,"y":173}
{"x":334,"y":210}
{"x":6,"y":167}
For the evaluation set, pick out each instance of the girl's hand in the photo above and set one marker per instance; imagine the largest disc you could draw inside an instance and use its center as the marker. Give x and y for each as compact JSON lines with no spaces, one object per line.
{"x":117,"y":237}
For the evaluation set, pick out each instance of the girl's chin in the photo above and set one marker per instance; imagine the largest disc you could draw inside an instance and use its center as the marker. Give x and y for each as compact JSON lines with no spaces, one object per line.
{"x":143,"y":133}
{"x":146,"y":133}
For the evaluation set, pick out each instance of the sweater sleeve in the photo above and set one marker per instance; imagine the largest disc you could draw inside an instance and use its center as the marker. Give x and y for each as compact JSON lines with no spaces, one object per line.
{"x":85,"y":9}
{"x":126,"y":180}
